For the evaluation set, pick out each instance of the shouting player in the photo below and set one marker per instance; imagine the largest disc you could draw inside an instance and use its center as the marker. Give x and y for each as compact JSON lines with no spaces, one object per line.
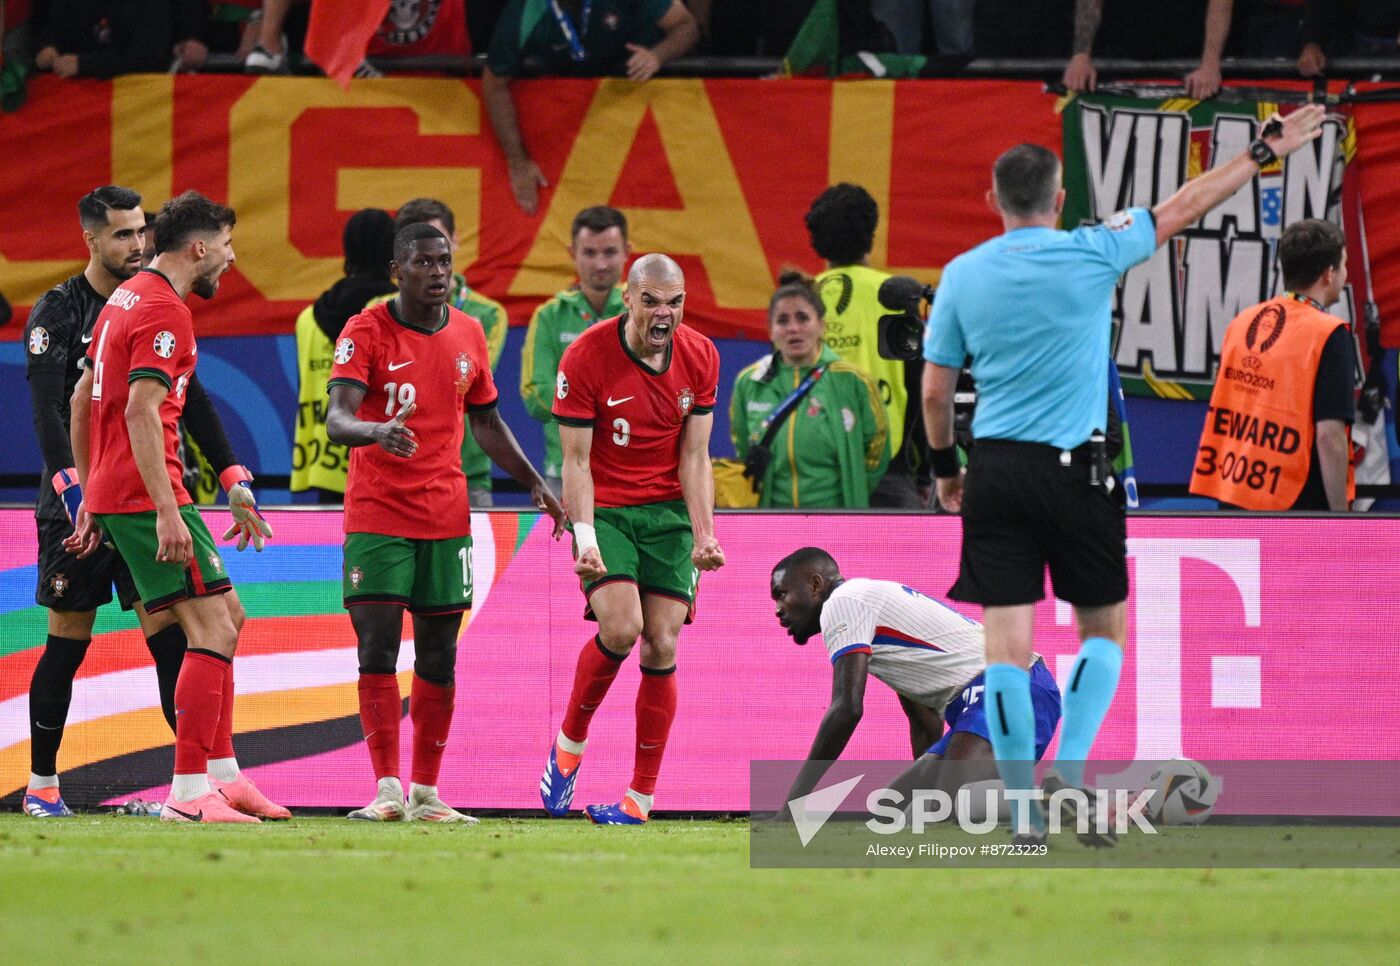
{"x":634,"y":399}
{"x":929,"y":654}
{"x":134,"y":385}
{"x":59,"y":331}
{"x":414,"y":361}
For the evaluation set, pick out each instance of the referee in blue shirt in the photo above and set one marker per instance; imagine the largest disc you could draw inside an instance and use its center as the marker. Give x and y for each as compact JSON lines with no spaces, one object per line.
{"x":1031,"y":310}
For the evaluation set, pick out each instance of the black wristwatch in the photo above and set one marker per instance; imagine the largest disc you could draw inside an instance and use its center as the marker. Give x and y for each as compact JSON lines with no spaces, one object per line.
{"x":1262,"y":154}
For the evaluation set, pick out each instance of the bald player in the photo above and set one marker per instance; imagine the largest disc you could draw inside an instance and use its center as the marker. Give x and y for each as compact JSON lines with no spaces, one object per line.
{"x":634,"y":398}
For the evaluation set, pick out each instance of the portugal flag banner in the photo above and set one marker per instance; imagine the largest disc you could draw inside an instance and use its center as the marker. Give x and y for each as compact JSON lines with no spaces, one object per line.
{"x":1171,"y":311}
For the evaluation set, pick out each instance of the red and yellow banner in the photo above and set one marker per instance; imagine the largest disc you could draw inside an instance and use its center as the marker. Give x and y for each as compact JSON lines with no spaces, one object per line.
{"x":715,"y":172}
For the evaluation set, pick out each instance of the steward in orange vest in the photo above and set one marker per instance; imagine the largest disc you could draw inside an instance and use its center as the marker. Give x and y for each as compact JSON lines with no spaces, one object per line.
{"x":1277,"y":433}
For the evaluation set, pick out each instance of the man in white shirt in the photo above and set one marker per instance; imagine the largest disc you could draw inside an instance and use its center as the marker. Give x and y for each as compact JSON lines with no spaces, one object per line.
{"x":926,"y":652}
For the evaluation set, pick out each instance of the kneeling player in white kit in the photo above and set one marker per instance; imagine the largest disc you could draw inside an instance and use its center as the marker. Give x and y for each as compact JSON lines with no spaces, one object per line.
{"x":929,"y":654}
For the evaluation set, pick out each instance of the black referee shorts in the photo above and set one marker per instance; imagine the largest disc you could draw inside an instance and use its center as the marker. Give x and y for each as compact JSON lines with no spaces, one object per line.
{"x":1023,"y":510}
{"x":69,"y":584}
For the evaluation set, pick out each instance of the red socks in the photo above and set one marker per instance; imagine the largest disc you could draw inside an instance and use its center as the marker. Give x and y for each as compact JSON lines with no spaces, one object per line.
{"x":430,"y":707}
{"x":223,"y":736}
{"x":381,"y":708}
{"x":204,"y":679}
{"x":656,"y":709}
{"x":597,"y":667}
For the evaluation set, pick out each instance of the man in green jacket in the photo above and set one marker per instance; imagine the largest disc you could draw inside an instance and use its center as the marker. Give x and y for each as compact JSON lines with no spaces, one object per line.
{"x":600,"y":251}
{"x":832,"y":448}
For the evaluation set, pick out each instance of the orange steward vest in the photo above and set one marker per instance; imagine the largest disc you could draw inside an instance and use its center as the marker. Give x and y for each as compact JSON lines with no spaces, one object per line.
{"x":1257,"y":444}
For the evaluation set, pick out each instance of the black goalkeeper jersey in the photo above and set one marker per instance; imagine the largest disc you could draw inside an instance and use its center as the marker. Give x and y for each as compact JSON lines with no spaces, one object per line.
{"x":56,"y":340}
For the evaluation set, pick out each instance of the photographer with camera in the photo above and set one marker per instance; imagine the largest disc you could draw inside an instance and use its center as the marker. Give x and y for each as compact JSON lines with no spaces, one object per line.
{"x":810,"y":427}
{"x":841,"y":223}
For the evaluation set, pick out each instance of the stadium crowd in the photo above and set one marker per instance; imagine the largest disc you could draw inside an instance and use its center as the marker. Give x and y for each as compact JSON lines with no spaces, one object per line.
{"x":103,"y":38}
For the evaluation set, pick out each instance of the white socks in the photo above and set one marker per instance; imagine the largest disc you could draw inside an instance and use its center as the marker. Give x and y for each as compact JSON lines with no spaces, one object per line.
{"x":223,"y":769}
{"x":186,"y":788}
{"x":572,"y":747}
{"x":644,"y":802}
{"x":37,"y":782}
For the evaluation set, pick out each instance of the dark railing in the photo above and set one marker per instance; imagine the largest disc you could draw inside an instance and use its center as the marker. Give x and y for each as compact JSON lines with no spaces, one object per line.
{"x":1048,"y":69}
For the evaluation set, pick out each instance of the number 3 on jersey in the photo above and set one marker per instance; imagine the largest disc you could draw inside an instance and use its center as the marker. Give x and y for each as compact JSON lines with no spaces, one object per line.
{"x":623,"y":434}
{"x":404,"y":393}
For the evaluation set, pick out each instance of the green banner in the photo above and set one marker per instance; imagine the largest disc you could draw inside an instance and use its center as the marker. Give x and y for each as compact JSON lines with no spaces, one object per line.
{"x":1171,"y":311}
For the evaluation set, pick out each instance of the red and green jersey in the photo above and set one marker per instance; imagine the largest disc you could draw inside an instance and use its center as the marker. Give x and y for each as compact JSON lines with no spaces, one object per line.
{"x":446,"y":371}
{"x":145,"y":331}
{"x":637,"y":414}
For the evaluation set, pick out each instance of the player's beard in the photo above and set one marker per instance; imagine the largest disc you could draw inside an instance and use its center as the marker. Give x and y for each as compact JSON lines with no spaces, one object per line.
{"x":206,"y":285}
{"x":121,"y":270}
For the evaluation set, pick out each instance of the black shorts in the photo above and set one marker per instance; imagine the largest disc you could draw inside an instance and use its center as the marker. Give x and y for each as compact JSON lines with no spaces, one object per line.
{"x":1023,"y":510}
{"x":69,"y":584}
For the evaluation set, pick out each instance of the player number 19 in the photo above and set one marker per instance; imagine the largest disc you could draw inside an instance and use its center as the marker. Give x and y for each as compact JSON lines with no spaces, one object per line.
{"x":466,"y":559}
{"x":398,"y":395}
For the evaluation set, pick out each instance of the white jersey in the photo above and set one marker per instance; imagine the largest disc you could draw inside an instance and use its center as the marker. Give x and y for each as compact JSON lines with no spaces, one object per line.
{"x":924,"y":650}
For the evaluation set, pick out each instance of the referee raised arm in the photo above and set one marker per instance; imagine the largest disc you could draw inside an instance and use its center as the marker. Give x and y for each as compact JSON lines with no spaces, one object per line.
{"x":1031,"y":308}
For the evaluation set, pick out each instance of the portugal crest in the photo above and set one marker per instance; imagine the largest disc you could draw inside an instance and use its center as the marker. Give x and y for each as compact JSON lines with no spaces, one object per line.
{"x":463,"y":370}
{"x":356,"y":575}
{"x":686,"y":399}
{"x":216,"y":563}
{"x":58,"y":583}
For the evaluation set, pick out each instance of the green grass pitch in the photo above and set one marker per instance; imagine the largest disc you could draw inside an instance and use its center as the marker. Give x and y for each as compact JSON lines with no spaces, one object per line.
{"x":323,"y":890}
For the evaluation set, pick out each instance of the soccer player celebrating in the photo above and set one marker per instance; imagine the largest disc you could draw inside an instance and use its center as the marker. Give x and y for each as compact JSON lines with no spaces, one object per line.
{"x":929,"y":654}
{"x":408,"y":539}
{"x":634,"y":399}
{"x":133,"y":388}
{"x":59,"y":331}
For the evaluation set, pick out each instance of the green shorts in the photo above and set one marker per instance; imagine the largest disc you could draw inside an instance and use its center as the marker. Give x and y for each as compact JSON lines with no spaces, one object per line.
{"x":650,"y":546}
{"x":426,"y":576}
{"x":161,"y":584}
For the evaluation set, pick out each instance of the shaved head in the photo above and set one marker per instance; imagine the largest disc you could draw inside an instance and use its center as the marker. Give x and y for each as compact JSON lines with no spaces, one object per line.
{"x":656,"y":268}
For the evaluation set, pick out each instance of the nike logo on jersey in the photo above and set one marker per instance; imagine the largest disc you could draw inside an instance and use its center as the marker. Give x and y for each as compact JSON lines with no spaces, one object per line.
{"x":646,"y":747}
{"x":87,"y":338}
{"x":441,"y":744}
{"x":619,"y":402}
{"x":396,"y":366}
{"x":196,"y":817}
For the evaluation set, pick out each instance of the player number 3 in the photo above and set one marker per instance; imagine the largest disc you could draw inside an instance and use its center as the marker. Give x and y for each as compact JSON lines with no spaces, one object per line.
{"x":398,"y":395}
{"x":623,"y":436}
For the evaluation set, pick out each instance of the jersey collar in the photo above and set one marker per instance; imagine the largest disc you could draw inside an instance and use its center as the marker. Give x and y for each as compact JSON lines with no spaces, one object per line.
{"x":1305,"y":300}
{"x":622,"y":339}
{"x":393,"y":304}
{"x":162,"y":276}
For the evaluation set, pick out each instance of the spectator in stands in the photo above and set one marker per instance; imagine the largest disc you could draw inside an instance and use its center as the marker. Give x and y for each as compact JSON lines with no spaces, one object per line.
{"x":1348,"y":28}
{"x":951,"y":21}
{"x":368,"y":241}
{"x":1150,"y":31}
{"x":635,"y":36}
{"x":600,"y":251}
{"x":832,"y":441}
{"x":841,"y":223}
{"x":494,"y":322}
{"x":104,"y":38}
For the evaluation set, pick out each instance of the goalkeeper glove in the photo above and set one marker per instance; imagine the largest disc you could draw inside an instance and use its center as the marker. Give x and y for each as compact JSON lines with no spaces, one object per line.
{"x":248,"y":523}
{"x":65,"y":484}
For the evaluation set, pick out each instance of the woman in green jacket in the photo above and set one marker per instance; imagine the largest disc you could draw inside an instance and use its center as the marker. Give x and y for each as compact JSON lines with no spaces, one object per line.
{"x":833,"y":447}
